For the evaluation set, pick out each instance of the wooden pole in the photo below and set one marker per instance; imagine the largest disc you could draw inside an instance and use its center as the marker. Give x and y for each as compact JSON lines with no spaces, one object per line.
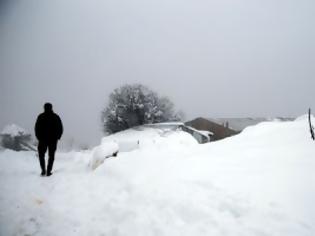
{"x":310,"y":123}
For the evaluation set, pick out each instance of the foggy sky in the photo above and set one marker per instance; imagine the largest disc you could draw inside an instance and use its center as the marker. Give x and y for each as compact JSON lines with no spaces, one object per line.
{"x":213,"y":58}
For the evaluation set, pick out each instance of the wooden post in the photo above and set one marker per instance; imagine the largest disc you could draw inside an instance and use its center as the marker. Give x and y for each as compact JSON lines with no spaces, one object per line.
{"x":310,"y":123}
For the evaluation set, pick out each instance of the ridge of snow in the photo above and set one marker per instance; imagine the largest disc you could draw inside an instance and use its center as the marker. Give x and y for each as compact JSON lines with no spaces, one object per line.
{"x":305,"y":117}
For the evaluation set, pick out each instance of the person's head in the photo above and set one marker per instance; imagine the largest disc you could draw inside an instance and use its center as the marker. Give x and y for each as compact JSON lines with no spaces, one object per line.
{"x":48,"y":107}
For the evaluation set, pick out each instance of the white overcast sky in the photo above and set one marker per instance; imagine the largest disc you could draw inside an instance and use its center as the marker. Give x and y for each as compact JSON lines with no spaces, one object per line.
{"x":213,"y":58}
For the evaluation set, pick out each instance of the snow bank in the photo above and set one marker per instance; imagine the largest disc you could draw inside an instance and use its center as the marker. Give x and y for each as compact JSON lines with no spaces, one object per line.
{"x":261,"y":182}
{"x":142,"y":137}
{"x":304,"y":117}
{"x":100,"y":153}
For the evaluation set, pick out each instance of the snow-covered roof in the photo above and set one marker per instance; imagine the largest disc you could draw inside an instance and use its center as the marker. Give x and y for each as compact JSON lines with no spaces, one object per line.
{"x":206,"y":132}
{"x":13,"y":130}
{"x":167,"y":124}
{"x":202,"y":132}
{"x":176,"y":125}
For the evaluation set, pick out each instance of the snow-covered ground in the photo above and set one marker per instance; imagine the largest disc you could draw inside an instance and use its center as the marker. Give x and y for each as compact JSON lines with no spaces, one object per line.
{"x":261,"y":182}
{"x":239,"y":124}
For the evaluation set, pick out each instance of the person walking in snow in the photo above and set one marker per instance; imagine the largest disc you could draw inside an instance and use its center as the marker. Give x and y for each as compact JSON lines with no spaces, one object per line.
{"x":48,"y":130}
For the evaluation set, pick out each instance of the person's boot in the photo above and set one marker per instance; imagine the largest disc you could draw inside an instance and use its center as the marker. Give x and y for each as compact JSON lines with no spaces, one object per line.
{"x":50,"y":163}
{"x":48,"y":174}
{"x":42,"y":165}
{"x":49,"y":168}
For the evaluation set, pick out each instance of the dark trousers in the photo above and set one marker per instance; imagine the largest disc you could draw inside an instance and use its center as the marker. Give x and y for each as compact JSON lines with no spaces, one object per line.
{"x":42,"y":148}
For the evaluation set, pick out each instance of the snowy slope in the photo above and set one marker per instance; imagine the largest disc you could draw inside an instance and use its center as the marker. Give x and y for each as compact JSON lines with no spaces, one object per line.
{"x":261,"y":182}
{"x":241,"y":123}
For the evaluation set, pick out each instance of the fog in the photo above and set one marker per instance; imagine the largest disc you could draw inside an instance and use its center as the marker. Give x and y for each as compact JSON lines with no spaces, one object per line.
{"x":216,"y":58}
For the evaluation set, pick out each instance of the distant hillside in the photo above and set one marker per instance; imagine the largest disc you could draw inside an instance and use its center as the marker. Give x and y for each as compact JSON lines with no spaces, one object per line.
{"x":219,"y":131}
{"x":239,"y":124}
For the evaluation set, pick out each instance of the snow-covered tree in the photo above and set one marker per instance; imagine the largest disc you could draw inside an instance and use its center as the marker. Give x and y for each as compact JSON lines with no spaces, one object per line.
{"x":15,"y":138}
{"x":132,"y":105}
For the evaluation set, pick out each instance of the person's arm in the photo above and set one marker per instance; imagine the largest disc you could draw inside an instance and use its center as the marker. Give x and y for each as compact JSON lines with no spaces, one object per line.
{"x":60,"y":127}
{"x":37,"y":128}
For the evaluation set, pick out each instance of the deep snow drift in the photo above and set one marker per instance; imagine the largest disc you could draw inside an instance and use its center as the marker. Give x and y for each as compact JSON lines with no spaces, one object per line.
{"x":261,"y":182}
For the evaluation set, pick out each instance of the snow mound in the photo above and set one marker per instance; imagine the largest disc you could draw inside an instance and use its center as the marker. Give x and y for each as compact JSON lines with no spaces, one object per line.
{"x":100,"y":153}
{"x":276,"y":133}
{"x":305,"y":117}
{"x":13,"y":130}
{"x":142,"y":137}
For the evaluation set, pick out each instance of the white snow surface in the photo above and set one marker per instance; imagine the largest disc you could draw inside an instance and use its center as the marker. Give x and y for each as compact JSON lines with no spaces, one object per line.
{"x":260,"y":182}
{"x":100,"y":153}
{"x":13,"y":130}
{"x":142,"y":136}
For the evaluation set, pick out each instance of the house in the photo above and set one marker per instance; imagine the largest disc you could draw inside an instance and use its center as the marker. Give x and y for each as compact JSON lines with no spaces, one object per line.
{"x":218,"y":131}
{"x":16,"y":138}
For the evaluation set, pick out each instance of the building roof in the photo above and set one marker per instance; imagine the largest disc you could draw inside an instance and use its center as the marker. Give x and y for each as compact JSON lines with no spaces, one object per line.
{"x":219,"y":131}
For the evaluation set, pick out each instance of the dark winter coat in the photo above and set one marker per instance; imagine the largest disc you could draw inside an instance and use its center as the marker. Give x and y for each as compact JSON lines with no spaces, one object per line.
{"x":48,"y":127}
